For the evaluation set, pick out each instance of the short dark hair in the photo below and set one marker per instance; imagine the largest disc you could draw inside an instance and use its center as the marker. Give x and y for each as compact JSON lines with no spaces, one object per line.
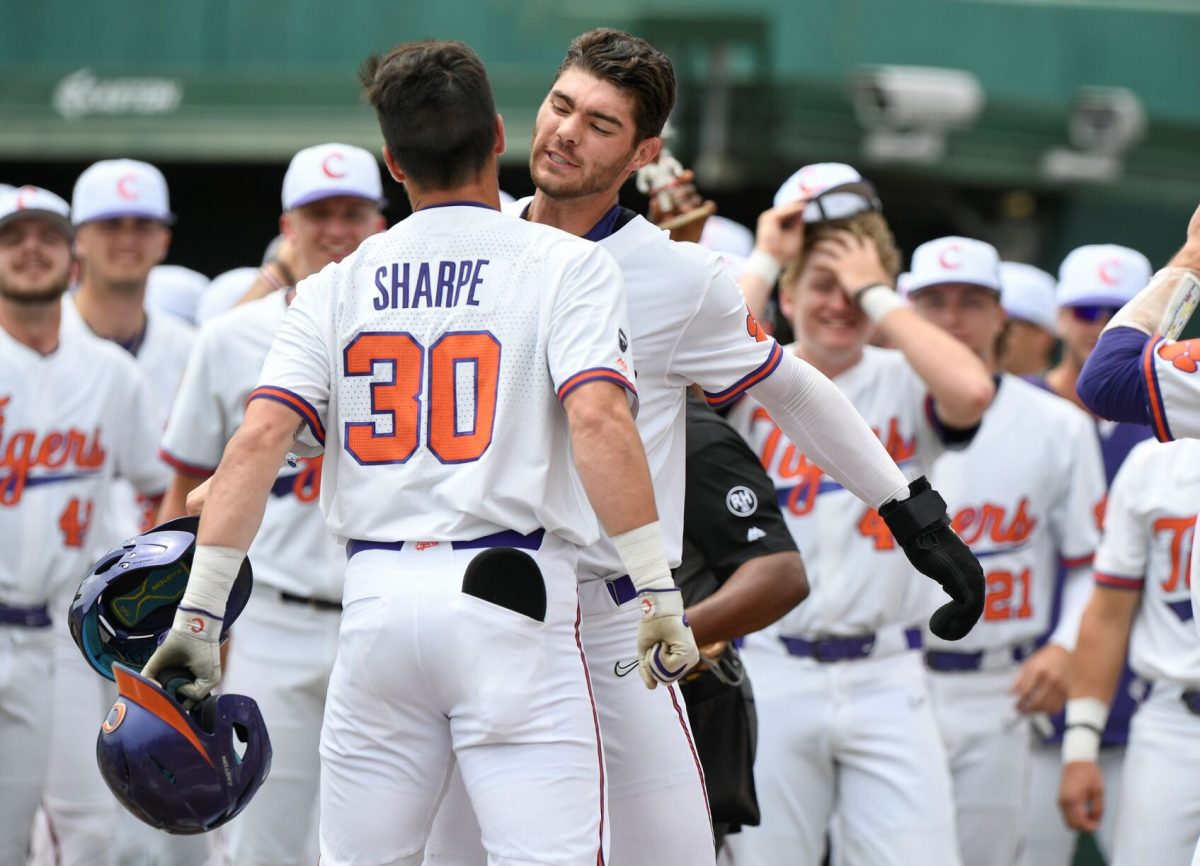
{"x":435,"y":109}
{"x":633,"y":66}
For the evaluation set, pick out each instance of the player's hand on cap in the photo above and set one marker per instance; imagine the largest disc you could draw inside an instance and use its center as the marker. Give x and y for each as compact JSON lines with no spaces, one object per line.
{"x":1081,"y":795}
{"x":1043,"y":682}
{"x":689,"y":210}
{"x":853,"y":259}
{"x":666,"y":647}
{"x":780,"y":232}
{"x":193,"y":643}
{"x":922,"y":528}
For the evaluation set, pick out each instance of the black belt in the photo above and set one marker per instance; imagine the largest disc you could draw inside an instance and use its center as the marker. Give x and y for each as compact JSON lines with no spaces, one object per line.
{"x":25,"y":617}
{"x":951,"y":661}
{"x":314,"y":603}
{"x":507,"y":538}
{"x":840,"y":649}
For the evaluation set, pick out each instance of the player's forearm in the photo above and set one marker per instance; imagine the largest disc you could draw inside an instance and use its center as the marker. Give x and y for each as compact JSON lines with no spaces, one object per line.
{"x":1145,"y":311}
{"x":958,"y":380}
{"x":761,"y":591}
{"x":1103,"y":636}
{"x":234,"y":509}
{"x":609,"y":457}
{"x":817,"y":417}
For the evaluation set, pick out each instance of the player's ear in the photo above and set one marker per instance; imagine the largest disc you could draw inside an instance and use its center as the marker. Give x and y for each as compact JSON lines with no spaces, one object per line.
{"x":285,"y":224}
{"x":499,"y":135}
{"x":166,"y":245}
{"x":645,"y":153}
{"x":392,"y":167}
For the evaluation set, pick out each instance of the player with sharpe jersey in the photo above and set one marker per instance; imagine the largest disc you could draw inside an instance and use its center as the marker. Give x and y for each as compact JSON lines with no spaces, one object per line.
{"x":846,"y":732}
{"x":1141,"y":596}
{"x":1026,"y":498}
{"x":457,"y":498}
{"x":287,"y":636}
{"x":600,"y":122}
{"x":74,"y":413}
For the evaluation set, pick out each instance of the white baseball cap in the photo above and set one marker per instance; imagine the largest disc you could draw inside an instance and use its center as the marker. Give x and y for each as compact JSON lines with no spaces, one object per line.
{"x":953,"y":260}
{"x":1027,"y":293}
{"x":726,"y":236}
{"x":326,"y":170}
{"x":1104,"y":275}
{"x":115,"y":188}
{"x":224,"y":292}
{"x":34,"y":201}
{"x":835,"y":191}
{"x":176,"y":290}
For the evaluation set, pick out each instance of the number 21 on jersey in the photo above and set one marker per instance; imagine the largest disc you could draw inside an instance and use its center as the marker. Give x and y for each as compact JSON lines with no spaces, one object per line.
{"x":455,"y":380}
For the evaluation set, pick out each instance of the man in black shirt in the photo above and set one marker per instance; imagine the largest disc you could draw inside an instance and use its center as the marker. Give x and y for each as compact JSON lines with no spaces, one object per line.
{"x":740,"y":573}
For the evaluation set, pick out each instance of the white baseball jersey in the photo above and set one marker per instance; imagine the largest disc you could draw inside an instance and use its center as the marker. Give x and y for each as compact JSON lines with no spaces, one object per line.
{"x":162,"y":356}
{"x":1173,"y":383}
{"x":431,"y":381}
{"x":1147,"y":546}
{"x":69,"y":422}
{"x":859,"y":578}
{"x":293,"y":550}
{"x":690,"y":326}
{"x":1025,"y":495}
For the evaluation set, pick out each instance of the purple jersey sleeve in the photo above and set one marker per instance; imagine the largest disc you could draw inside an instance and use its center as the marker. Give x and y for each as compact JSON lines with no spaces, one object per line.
{"x":1112,"y":383}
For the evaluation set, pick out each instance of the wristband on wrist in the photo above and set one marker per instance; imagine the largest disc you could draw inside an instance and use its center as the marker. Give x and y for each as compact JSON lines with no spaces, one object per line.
{"x":1086,"y":718}
{"x":764,"y":266}
{"x":641,"y":552}
{"x":214,"y":570}
{"x":878,"y":300}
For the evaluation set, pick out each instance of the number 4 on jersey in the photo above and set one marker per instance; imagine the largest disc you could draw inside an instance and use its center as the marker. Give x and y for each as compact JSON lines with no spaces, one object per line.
{"x":74,"y":522}
{"x":460,"y":388}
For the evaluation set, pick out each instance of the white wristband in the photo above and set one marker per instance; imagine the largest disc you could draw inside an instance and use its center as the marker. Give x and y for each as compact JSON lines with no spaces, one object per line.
{"x":214,"y":569}
{"x":1086,"y":718}
{"x":879,"y":300}
{"x":641,"y":552}
{"x":764,"y":266}
{"x":1080,"y":744}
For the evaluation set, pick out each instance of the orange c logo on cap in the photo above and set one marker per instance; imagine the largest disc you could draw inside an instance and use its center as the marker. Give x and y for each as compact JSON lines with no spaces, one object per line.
{"x":126,"y":184}
{"x":115,"y":716}
{"x":1107,"y":268}
{"x":21,"y":196}
{"x":948,"y":261}
{"x":328,"y":167}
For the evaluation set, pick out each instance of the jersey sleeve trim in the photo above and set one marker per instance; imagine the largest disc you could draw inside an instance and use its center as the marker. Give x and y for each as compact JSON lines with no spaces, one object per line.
{"x":721,"y":399}
{"x":1078,"y":561}
{"x":193,"y":470}
{"x":594,"y":374}
{"x":1116,"y":581}
{"x":294,"y":402}
{"x":1158,"y":412}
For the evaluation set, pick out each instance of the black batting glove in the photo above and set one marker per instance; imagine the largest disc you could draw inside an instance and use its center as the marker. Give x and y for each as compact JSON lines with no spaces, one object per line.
{"x":922,"y":527}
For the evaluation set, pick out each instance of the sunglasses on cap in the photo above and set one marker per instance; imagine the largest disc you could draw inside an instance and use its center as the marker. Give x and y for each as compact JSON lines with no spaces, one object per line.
{"x":843,"y":202}
{"x":1090,"y":313}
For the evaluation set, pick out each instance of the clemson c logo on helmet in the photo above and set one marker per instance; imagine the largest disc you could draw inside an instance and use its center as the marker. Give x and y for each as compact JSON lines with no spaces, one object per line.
{"x":114,"y":718}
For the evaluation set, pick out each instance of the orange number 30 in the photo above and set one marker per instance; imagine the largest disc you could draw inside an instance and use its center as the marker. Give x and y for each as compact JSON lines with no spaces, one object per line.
{"x":460,"y":388}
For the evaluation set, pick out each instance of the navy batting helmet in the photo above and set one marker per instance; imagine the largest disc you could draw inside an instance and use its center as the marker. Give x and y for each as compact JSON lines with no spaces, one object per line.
{"x":182,"y":771}
{"x":127,"y":601}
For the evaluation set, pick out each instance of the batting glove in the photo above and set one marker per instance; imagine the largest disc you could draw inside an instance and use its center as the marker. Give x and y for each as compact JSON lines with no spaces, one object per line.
{"x":666,"y":647}
{"x":922,"y":528}
{"x":194,"y":643}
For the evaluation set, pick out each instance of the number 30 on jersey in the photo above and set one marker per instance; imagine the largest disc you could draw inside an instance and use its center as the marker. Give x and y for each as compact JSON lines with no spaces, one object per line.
{"x":456,"y":380}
